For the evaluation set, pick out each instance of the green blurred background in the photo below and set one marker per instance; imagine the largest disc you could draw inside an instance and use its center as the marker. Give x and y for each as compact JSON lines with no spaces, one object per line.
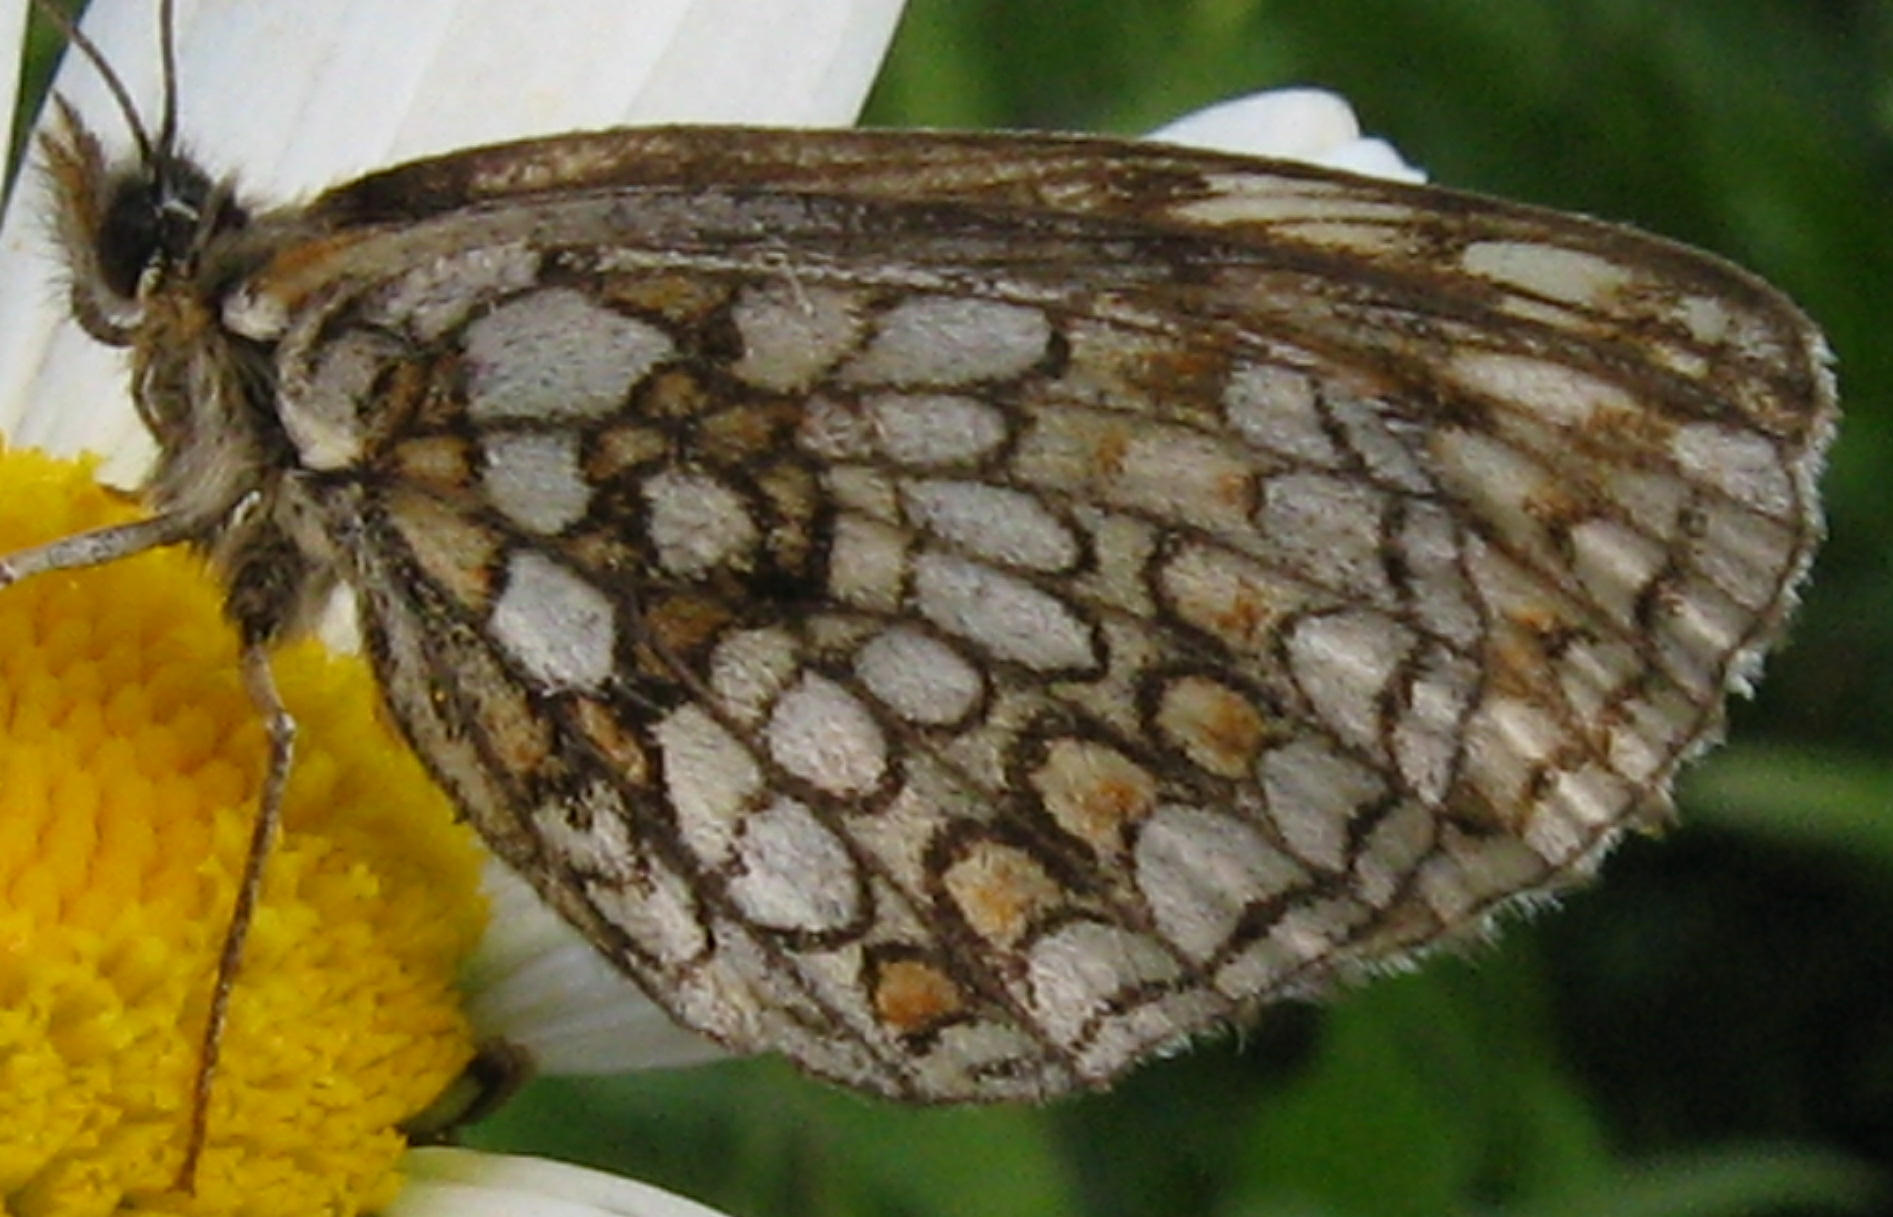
{"x":1707,"y":1031}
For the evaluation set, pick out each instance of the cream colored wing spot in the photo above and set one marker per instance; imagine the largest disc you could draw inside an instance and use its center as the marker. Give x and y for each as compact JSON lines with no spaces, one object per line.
{"x":1740,"y":553}
{"x":1082,"y":970}
{"x":554,"y":354}
{"x":710,"y":780}
{"x":1330,"y":530}
{"x":945,"y":341}
{"x":1550,"y":392}
{"x":593,"y":829}
{"x":555,"y":624}
{"x":920,"y":430}
{"x":436,"y":297}
{"x":1274,"y":408}
{"x":1314,"y":793}
{"x":1569,"y":276}
{"x":794,"y":874}
{"x":322,"y":413}
{"x":919,"y":677}
{"x":934,"y":429}
{"x":1136,"y":467}
{"x":750,"y":669}
{"x":822,"y":734}
{"x":697,"y":522}
{"x":1430,"y":551}
{"x":793,"y":333}
{"x":868,"y":563}
{"x":1386,"y":440}
{"x":1434,"y":700}
{"x":1616,"y":565}
{"x":534,"y":479}
{"x":1741,"y":464}
{"x":661,"y":913}
{"x":1201,"y":871}
{"x":1344,"y":664}
{"x":994,"y":524}
{"x":1006,"y":617}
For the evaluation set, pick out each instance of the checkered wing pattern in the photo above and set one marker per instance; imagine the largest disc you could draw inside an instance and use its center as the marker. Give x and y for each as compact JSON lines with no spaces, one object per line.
{"x":970,"y":612}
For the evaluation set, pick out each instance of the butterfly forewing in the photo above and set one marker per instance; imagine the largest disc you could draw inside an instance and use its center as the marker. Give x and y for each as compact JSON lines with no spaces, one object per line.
{"x":970,"y":611}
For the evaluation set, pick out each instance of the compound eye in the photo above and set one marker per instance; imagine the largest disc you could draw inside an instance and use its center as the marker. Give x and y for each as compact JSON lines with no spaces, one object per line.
{"x":128,"y":236}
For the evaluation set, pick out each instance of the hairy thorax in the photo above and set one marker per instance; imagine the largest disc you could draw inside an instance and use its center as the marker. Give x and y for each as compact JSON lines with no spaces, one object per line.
{"x":207,"y":397}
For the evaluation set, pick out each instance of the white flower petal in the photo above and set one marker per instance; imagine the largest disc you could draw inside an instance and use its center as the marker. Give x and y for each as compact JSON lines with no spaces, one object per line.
{"x":12,"y":55}
{"x":1372,"y":158}
{"x":1311,"y":125}
{"x":445,"y":1182}
{"x":536,"y":983}
{"x":299,"y":94}
{"x":707,"y":75}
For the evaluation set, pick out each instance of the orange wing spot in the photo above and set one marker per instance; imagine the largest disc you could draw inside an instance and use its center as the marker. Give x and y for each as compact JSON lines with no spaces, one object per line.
{"x":623,"y":448}
{"x":520,"y":738}
{"x":441,"y":462}
{"x":913,"y":997}
{"x":454,"y":553}
{"x":1553,"y":505}
{"x":1634,"y":429}
{"x":399,"y":399}
{"x":679,"y":625}
{"x":1216,"y":727}
{"x":1001,"y":891}
{"x":1237,"y":491}
{"x":1226,"y":597}
{"x":1515,"y":660}
{"x":679,"y":299}
{"x":742,"y":435}
{"x":1179,"y":373}
{"x":438,"y":401}
{"x":792,"y":492}
{"x":1094,"y":792}
{"x":1109,"y":451}
{"x":675,"y":393}
{"x":1241,"y":619}
{"x":621,"y":749}
{"x":1538,"y":620}
{"x":601,"y":551}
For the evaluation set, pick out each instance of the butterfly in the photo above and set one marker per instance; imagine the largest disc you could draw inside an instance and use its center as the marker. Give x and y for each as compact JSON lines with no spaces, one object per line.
{"x":971,"y":611}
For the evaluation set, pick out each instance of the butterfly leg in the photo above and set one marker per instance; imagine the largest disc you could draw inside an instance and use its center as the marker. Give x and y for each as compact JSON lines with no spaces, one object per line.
{"x":260,"y":683}
{"x":98,"y":546}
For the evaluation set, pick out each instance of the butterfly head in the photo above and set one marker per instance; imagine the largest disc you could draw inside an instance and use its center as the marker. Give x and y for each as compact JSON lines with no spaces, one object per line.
{"x":129,"y":226}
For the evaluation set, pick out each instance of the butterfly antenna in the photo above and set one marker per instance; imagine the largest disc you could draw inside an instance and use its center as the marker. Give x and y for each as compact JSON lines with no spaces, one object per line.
{"x":167,"y":60}
{"x":76,"y":38}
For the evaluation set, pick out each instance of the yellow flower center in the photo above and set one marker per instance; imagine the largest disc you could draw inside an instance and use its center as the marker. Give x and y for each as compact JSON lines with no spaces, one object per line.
{"x":130,"y":761}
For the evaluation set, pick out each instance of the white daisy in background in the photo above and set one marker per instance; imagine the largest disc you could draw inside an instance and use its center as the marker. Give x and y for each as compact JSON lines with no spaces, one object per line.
{"x":129,"y":753}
